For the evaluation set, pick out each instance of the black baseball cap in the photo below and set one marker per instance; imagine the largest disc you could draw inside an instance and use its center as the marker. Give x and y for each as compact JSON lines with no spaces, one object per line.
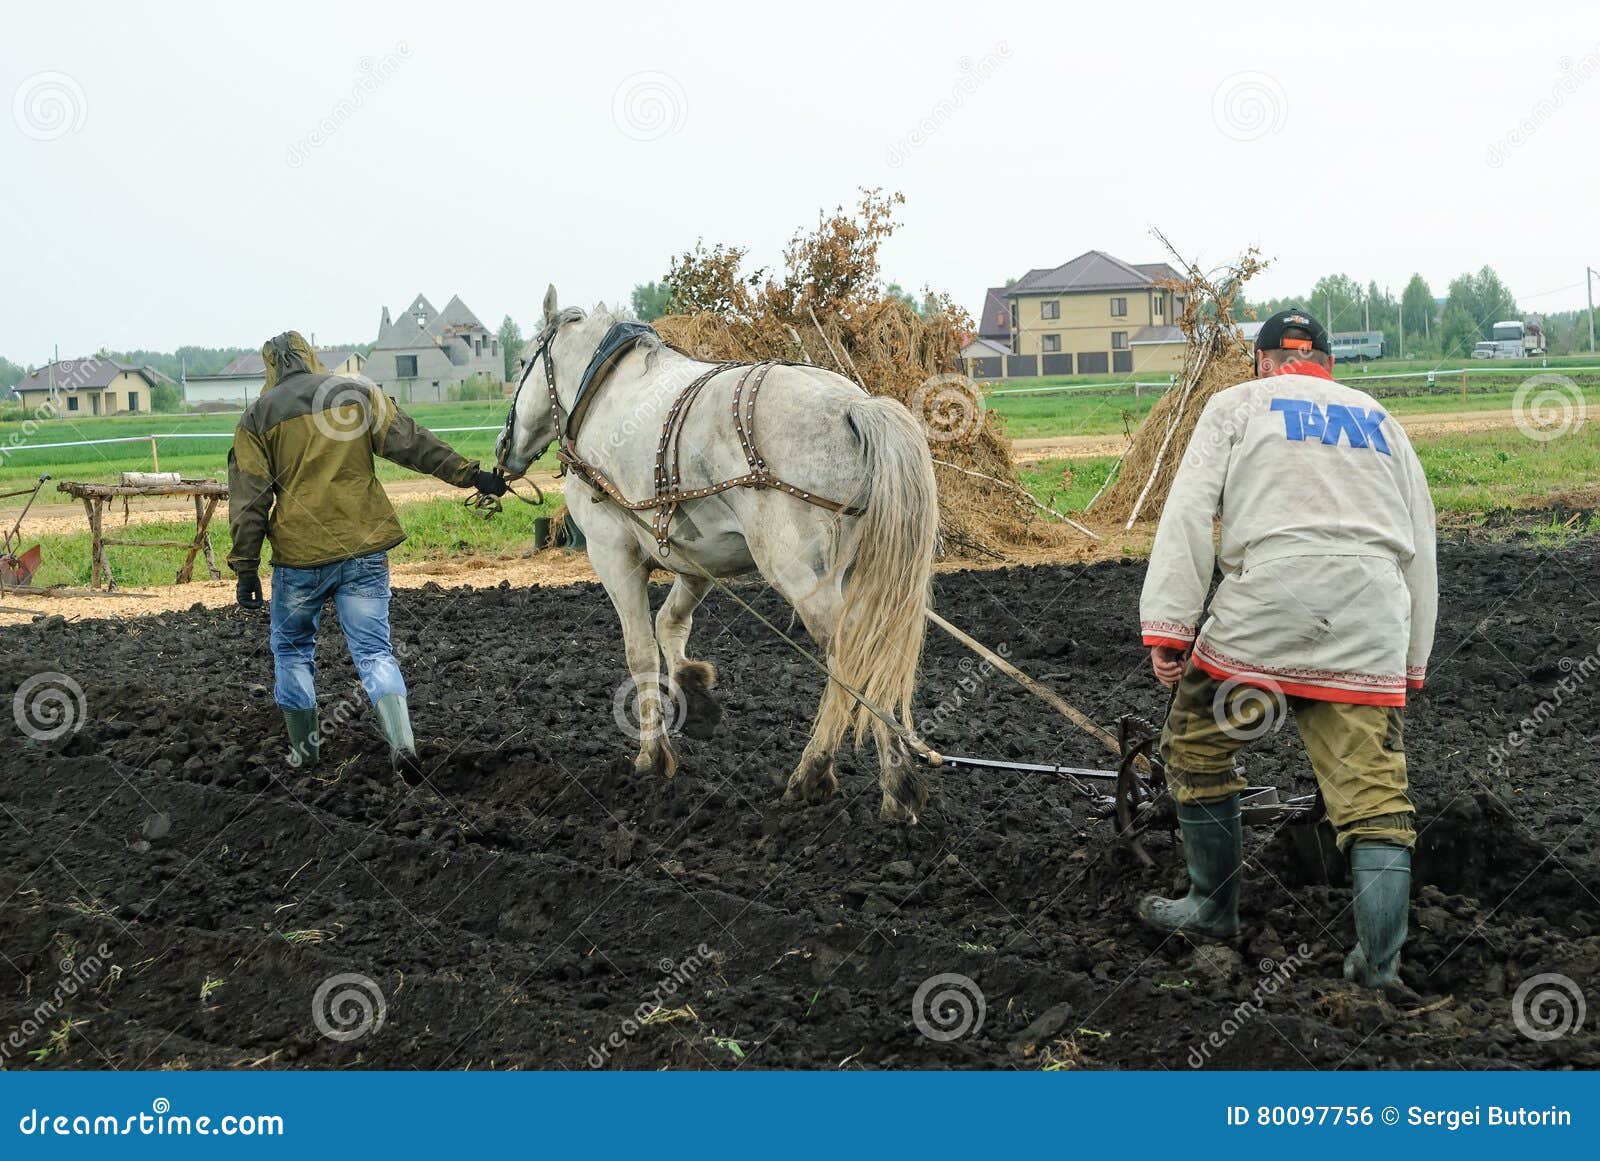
{"x":1270,"y":336}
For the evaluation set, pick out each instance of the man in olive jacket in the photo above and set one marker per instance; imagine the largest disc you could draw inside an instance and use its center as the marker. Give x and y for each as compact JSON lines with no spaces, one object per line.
{"x":301,"y":475}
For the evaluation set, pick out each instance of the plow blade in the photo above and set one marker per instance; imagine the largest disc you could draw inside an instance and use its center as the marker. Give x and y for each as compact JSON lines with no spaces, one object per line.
{"x":18,"y":571}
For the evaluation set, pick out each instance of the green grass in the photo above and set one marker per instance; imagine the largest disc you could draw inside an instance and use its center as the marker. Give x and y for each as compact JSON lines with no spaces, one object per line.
{"x":19,"y":466}
{"x":434,"y":529}
{"x":1111,"y":413}
{"x":1468,"y":473}
{"x":1482,"y":470}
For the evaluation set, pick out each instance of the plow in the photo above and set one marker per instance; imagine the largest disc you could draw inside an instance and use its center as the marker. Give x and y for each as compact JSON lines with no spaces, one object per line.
{"x":18,"y":566}
{"x":1134,"y":791}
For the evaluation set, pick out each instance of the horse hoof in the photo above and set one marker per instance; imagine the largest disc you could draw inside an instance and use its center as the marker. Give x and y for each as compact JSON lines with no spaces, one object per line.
{"x":702,"y":713}
{"x":813,"y":783}
{"x":662,"y":764}
{"x":893,"y":811}
{"x":905,"y":802}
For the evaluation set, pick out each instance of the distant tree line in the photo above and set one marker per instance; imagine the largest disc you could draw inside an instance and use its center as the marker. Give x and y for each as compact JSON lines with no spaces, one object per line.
{"x":173,"y":364}
{"x":651,"y":300}
{"x":1472,"y":305}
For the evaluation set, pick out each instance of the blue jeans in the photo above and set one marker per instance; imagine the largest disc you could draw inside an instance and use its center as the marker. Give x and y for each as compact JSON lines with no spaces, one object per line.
{"x":360,"y":592}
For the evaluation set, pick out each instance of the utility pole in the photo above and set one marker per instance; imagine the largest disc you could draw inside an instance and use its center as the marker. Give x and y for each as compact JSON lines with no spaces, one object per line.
{"x":1399,"y":320}
{"x":1588,"y":285}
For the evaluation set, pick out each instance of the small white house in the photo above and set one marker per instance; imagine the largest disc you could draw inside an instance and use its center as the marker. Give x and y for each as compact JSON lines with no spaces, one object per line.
{"x":241,"y":381}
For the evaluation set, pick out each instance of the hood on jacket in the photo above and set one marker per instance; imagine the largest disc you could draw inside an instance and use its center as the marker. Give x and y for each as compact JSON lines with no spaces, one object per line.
{"x":288,"y":354}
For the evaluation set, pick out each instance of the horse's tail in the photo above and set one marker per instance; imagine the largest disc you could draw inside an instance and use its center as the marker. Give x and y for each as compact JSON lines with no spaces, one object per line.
{"x":889,"y":560}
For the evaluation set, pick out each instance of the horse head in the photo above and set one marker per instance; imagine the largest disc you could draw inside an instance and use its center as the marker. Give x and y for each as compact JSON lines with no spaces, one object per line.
{"x":530,"y":425}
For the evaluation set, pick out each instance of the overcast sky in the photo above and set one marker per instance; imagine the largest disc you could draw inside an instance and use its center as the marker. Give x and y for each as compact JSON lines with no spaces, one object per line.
{"x":214,"y":173}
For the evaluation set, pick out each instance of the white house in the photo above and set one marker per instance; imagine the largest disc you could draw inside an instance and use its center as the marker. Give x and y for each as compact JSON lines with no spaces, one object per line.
{"x":241,"y":380}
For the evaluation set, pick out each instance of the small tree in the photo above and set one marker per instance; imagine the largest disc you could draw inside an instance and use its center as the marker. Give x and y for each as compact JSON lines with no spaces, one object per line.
{"x":651,"y":300}
{"x":166,"y":396}
{"x":1417,"y":307}
{"x":510,"y":336}
{"x":1459,"y":332}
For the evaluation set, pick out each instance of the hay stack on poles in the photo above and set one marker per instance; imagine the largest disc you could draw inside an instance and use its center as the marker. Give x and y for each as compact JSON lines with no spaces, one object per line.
{"x":828,"y":307}
{"x":1216,"y":357}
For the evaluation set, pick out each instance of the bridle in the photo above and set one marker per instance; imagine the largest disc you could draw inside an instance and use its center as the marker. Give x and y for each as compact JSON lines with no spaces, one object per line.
{"x":489,"y":505}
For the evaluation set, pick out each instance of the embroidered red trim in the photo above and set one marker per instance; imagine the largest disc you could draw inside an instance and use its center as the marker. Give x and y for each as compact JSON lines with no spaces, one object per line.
{"x":1151,"y":640}
{"x":1311,"y":692}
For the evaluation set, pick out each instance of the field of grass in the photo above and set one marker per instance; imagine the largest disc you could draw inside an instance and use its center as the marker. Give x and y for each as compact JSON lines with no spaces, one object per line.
{"x":435,"y":529}
{"x":1096,"y":413}
{"x":20,"y":465}
{"x":1467,"y":473}
{"x":1470,"y":472}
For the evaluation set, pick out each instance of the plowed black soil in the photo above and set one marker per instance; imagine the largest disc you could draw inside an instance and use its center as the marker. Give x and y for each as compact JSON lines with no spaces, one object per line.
{"x":545,"y":898}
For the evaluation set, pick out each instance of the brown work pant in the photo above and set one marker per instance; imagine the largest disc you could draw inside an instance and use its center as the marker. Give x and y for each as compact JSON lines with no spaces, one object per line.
{"x":1357,"y":751}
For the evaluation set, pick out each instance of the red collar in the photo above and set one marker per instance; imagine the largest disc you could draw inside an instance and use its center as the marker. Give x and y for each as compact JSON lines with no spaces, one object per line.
{"x":1305,"y":367}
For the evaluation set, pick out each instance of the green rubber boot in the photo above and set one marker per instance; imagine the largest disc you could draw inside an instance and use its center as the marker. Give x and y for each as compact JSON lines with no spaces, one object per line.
{"x":305,"y":740}
{"x":1213,"y":846}
{"x":1380,"y":876}
{"x":394,"y":720}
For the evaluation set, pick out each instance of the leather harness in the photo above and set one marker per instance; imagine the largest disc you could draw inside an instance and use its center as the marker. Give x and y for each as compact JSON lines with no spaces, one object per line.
{"x":669,"y":489}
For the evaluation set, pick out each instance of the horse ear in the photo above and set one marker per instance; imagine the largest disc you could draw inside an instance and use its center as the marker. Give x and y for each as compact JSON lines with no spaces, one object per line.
{"x":551,"y":305}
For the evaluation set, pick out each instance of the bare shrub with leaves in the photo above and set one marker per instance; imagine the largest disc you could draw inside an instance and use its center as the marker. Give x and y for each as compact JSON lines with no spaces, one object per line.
{"x":828,"y":306}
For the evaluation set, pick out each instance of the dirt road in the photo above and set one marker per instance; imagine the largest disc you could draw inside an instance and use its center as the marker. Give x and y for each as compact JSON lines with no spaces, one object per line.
{"x":1085,"y":447}
{"x":52,"y":516}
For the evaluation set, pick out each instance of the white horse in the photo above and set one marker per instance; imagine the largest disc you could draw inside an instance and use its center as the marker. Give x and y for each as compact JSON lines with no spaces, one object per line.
{"x":860,"y":582}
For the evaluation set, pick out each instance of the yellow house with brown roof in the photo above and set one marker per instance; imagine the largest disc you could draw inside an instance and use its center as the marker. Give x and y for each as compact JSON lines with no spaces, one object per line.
{"x":93,"y":386}
{"x":1095,"y":315}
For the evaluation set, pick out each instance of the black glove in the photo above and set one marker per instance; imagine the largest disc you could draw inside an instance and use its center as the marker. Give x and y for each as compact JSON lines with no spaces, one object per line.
{"x":489,"y":483}
{"x":248,"y":591}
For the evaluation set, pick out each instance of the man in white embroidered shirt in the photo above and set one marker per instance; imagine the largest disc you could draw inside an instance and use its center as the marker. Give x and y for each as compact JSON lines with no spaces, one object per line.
{"x":1326,"y":604}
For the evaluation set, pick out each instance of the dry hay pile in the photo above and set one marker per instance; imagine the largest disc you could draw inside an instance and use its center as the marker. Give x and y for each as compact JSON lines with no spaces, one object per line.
{"x":1216,"y":358}
{"x":829,"y":308}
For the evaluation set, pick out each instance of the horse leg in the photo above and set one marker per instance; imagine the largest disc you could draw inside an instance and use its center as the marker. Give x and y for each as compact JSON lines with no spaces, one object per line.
{"x":626,"y":579}
{"x":818,"y":600}
{"x":691,"y":680}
